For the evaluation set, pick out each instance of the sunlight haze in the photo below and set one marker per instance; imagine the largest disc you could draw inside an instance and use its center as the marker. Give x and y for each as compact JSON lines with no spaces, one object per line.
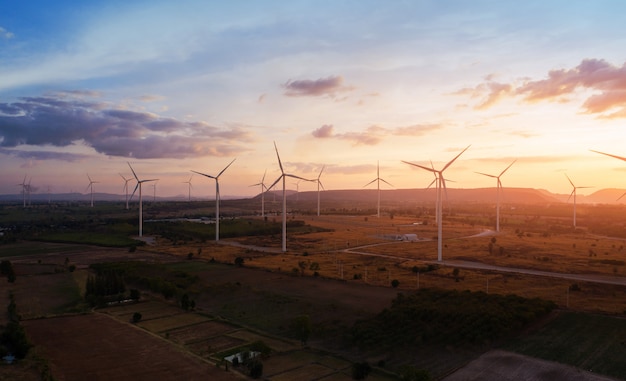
{"x":86,"y":87}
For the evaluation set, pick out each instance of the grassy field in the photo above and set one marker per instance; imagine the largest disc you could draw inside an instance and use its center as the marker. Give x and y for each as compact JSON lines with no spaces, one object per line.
{"x":592,"y":342}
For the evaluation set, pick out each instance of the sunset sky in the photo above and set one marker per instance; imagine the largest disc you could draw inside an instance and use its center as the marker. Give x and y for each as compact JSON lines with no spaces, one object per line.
{"x":86,"y":86}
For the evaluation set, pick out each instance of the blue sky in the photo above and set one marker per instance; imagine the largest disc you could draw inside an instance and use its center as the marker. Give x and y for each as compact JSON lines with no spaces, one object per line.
{"x":191,"y":85}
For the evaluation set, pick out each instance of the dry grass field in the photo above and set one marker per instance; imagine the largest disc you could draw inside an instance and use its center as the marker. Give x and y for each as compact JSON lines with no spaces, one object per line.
{"x":363,"y":250}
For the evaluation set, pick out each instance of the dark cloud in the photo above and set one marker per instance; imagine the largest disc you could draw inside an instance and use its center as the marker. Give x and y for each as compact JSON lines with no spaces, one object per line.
{"x":60,"y":122}
{"x":323,"y":86}
{"x":373,"y":134}
{"x":43,"y":155}
{"x":607,"y":81}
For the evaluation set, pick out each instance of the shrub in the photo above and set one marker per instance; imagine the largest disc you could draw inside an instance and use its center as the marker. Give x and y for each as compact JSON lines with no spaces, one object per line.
{"x":137,"y":317}
{"x":395,"y":283}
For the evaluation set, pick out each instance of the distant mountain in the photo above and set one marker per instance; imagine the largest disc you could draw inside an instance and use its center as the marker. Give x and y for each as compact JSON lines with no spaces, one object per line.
{"x":475,"y":195}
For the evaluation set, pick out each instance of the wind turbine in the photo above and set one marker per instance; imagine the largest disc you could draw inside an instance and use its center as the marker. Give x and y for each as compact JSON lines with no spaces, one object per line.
{"x":217,"y":198}
{"x":441,"y":181}
{"x":24,"y":187}
{"x":190,"y":186}
{"x":615,"y":156}
{"x":126,"y":188}
{"x":263,"y":189}
{"x":283,"y":176}
{"x":90,"y":186}
{"x":499,"y":188}
{"x":319,"y":184}
{"x":154,"y":190}
{"x":574,"y":194}
{"x":378,"y":180}
{"x":139,"y":182}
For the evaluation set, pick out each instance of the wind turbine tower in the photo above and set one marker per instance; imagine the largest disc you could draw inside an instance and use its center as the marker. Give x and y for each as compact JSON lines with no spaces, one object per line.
{"x":217,"y":198}
{"x":378,"y":180}
{"x":189,"y":186}
{"x":139,"y":183}
{"x":319,"y":184}
{"x":573,"y":194}
{"x":126,"y":188}
{"x":90,"y":187}
{"x":263,"y":189}
{"x":282,"y":177}
{"x":499,"y":189}
{"x":441,"y":181}
{"x":24,"y":186}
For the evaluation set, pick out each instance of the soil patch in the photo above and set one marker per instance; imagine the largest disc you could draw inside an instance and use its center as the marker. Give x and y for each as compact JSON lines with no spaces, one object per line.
{"x":97,"y":347}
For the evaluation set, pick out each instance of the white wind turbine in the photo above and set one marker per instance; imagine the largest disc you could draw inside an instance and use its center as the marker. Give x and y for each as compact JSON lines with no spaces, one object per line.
{"x":126,"y":188}
{"x":189,"y":186}
{"x":139,"y":182}
{"x":574,"y":194}
{"x":441,"y":181}
{"x":217,"y":198}
{"x":378,"y":180}
{"x":90,"y":186}
{"x":154,"y":190}
{"x":24,"y":187}
{"x":283,"y":176}
{"x":263,"y":189}
{"x":498,"y":189}
{"x":319,"y":184}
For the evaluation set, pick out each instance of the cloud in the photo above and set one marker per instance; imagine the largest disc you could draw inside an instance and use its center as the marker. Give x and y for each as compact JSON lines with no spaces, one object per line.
{"x":43,"y":155}
{"x":55,"y":121}
{"x":606,"y":81}
{"x":373,"y":134}
{"x":309,"y":88}
{"x":326,"y":131}
{"x":5,"y":34}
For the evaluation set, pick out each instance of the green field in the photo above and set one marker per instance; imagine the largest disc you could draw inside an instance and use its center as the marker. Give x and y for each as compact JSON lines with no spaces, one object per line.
{"x":592,"y":342}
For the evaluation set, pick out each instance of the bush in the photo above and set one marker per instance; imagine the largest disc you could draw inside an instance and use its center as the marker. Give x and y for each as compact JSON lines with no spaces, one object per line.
{"x":137,"y":317}
{"x":395,"y":283}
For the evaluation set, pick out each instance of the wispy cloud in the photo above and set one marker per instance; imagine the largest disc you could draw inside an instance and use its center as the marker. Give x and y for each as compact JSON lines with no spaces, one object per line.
{"x":372,"y":135}
{"x":5,"y":34}
{"x":55,"y":121}
{"x":43,"y":155}
{"x":606,"y":80}
{"x":315,"y":88}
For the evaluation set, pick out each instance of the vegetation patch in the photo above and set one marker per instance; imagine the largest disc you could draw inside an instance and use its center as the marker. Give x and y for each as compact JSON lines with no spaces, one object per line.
{"x":447,"y":318}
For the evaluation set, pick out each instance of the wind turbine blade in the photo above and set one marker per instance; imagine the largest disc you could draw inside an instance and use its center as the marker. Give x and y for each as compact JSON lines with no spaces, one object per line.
{"x":431,"y":183}
{"x":571,"y":194}
{"x":369,"y":183}
{"x":320,"y":175}
{"x":322,"y":185}
{"x":507,"y":168}
{"x":456,"y":157}
{"x":134,"y":174}
{"x":280,"y":164}
{"x":225,"y":168}
{"x":620,"y":197}
{"x":275,"y":182}
{"x":145,"y":181}
{"x":89,"y":178}
{"x":570,"y":181}
{"x":135,"y":190}
{"x":386,"y":182}
{"x":608,"y":154}
{"x":486,"y":174}
{"x":203,"y":174}
{"x":419,"y":166}
{"x":263,"y":178}
{"x":445,"y":189}
{"x":298,"y":177}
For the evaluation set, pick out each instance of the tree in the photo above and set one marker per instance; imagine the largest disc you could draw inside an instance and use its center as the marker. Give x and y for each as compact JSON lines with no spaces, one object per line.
{"x":184,"y":302}
{"x":360,"y":370}
{"x":302,"y":328}
{"x":395,"y":283}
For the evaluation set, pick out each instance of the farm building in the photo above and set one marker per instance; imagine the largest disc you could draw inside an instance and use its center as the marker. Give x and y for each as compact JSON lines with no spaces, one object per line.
{"x":409,"y":237}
